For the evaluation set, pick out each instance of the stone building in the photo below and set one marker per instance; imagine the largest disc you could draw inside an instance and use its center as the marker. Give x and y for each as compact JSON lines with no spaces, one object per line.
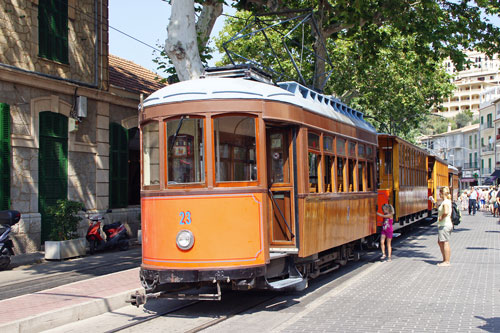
{"x":68,"y":125}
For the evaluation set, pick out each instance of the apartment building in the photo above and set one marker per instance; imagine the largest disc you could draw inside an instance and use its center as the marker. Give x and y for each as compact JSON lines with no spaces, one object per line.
{"x":459,"y":148}
{"x":471,"y":84}
{"x":67,"y":128}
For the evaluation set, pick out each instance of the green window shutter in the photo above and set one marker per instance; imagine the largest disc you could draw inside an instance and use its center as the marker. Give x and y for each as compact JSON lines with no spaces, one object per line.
{"x":53,"y":30}
{"x":118,"y":166}
{"x":5,"y":152}
{"x":52,"y":165}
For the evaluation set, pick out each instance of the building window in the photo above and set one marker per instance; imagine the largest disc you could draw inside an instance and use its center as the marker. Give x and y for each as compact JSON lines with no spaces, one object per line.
{"x":118,"y":166}
{"x":470,"y":141}
{"x":53,"y":30}
{"x":4,"y":156}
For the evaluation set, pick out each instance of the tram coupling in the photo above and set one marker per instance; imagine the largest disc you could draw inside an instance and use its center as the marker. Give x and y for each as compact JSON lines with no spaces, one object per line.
{"x":137,"y":299}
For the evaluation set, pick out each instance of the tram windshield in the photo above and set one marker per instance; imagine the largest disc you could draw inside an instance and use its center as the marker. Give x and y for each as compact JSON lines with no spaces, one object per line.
{"x":185,"y":158}
{"x":235,"y":148}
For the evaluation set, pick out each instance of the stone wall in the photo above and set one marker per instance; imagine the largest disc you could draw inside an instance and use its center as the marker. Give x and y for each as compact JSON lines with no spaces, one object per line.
{"x":19,"y":41}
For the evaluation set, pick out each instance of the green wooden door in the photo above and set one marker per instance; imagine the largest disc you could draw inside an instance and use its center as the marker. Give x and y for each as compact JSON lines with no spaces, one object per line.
{"x":52,"y":165}
{"x":5,"y":152}
{"x":118,"y":166}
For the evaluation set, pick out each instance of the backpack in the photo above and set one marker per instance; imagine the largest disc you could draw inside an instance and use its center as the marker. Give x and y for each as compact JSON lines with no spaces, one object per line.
{"x":456,"y":216}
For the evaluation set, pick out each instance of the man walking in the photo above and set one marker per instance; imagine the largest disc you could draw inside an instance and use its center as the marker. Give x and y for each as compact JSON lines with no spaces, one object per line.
{"x":473,"y":200}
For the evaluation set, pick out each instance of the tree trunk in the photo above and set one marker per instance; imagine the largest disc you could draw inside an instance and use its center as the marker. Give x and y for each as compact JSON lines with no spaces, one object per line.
{"x":181,"y":45}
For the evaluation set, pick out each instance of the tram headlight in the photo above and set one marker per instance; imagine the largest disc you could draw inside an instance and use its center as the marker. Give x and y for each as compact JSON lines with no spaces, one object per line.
{"x":185,"y":239}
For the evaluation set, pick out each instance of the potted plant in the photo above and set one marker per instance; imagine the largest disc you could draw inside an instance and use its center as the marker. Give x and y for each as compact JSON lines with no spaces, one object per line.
{"x":64,"y":238}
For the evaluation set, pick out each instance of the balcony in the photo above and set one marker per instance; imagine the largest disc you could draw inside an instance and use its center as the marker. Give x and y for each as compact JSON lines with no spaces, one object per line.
{"x":487,"y":172}
{"x":474,"y":165}
{"x":487,"y":149}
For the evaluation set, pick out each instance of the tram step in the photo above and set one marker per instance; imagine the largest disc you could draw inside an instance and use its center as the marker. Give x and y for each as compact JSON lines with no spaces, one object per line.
{"x":295,"y":283}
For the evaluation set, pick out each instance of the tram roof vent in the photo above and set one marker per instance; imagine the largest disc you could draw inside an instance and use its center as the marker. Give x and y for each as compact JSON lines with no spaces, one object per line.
{"x":244,"y":71}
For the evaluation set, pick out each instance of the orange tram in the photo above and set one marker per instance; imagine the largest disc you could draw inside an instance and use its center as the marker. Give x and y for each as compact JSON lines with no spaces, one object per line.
{"x":246,"y":184}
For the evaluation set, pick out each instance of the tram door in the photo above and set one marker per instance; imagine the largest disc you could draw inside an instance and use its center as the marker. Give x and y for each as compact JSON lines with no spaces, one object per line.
{"x":280,"y":180}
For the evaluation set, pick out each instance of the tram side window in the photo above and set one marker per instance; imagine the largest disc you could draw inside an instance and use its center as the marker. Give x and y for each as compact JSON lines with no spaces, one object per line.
{"x":352,"y":166}
{"x":388,"y":161}
{"x":369,"y":176}
{"x":313,"y":172}
{"x":340,"y":174}
{"x":361,"y":170}
{"x":150,"y":154}
{"x":185,"y":156}
{"x":235,"y":149}
{"x":329,"y":172}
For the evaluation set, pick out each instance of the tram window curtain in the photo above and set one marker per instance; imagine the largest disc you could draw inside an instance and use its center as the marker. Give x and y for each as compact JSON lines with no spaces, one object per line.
{"x":53,"y":30}
{"x":118,"y":166}
{"x":5,"y":151}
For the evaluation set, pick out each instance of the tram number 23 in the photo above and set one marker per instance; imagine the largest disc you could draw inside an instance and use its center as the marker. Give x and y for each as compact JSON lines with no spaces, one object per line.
{"x":185,"y":217}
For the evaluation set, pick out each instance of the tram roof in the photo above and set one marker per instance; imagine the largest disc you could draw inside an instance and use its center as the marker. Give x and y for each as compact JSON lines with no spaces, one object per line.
{"x":238,"y":88}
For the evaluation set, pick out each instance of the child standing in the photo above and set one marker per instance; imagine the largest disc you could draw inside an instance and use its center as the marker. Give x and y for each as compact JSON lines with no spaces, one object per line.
{"x":387,"y":231}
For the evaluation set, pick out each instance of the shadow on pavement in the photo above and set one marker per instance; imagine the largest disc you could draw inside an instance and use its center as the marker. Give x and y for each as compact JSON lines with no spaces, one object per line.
{"x":491,"y":324}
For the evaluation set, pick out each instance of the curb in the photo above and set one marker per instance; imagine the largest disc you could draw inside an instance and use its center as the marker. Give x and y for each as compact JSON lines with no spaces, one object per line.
{"x":49,"y":320}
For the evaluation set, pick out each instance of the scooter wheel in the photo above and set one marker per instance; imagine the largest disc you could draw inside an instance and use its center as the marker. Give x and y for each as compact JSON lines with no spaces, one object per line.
{"x":4,"y":262}
{"x":124,"y":245}
{"x":92,"y":246}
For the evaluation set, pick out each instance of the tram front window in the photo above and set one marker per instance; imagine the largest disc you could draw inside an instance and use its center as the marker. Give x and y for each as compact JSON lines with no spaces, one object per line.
{"x":235,"y":149}
{"x":185,"y":157}
{"x":150,"y":154}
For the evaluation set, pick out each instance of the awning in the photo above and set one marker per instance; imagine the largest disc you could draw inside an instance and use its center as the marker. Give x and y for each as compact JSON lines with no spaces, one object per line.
{"x":468,"y":180}
{"x":495,"y":174}
{"x":488,"y":181}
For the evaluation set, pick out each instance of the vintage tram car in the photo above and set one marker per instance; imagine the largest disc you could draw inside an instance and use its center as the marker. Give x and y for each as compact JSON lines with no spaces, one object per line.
{"x":248,"y":184}
{"x":402,"y":176}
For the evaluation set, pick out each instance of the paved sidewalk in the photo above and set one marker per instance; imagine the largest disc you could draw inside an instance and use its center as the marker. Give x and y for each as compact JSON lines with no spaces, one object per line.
{"x":412,"y":294}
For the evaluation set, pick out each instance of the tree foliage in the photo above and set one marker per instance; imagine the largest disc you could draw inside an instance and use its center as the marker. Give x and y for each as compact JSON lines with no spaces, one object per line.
{"x":395,"y":89}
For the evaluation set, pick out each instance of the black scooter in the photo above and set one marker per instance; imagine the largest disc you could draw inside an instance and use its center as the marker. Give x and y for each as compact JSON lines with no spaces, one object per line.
{"x":8,"y":218}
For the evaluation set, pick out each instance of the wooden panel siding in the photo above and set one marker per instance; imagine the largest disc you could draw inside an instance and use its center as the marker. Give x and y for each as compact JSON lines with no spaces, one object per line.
{"x":333,"y":220}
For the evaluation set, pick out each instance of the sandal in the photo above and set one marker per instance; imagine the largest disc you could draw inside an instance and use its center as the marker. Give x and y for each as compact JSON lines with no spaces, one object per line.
{"x":443,"y":264}
{"x":389,"y":259}
{"x":383,"y":257}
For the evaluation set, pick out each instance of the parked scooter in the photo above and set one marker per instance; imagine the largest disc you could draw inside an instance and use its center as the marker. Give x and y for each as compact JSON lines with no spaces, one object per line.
{"x":7,"y":219}
{"x":116,"y":234}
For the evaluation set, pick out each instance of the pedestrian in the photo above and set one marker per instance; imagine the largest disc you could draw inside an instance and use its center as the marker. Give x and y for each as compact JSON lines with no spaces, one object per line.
{"x":445,"y":226}
{"x":463,"y":200}
{"x":473,"y":200}
{"x":481,"y":199}
{"x":387,"y":230}
{"x":493,"y":201}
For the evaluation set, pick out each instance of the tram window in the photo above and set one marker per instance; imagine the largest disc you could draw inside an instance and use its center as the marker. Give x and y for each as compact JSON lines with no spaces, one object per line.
{"x":352,"y":149}
{"x":235,"y":149}
{"x":313,"y":172}
{"x":361,"y":151}
{"x":388,"y":161}
{"x":313,"y":141}
{"x":361,"y":169}
{"x":340,"y":173}
{"x":185,"y":156}
{"x":328,"y":144}
{"x":340,"y":147}
{"x":279,"y":158}
{"x":329,"y":173}
{"x":369,"y":177}
{"x":351,"y":166}
{"x":150,"y":154}
{"x":369,"y":153}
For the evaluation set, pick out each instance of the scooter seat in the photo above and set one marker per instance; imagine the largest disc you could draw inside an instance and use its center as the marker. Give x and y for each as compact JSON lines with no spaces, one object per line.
{"x":111,"y":226}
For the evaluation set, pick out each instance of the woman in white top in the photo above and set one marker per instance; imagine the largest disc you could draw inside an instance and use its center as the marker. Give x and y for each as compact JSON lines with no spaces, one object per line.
{"x":445,"y":226}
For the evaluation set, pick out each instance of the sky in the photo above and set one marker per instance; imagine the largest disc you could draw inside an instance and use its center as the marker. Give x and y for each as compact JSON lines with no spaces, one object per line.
{"x":147,"y":21}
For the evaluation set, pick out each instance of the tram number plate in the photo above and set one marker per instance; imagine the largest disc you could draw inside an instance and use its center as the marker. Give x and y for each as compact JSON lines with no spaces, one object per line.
{"x":185,"y":217}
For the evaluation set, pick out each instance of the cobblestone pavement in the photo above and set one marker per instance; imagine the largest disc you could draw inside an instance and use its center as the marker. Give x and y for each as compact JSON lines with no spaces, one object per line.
{"x":412,"y":294}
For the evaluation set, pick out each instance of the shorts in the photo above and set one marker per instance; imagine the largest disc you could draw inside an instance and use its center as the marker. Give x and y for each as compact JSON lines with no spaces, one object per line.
{"x":388,"y":233}
{"x":444,"y":233}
